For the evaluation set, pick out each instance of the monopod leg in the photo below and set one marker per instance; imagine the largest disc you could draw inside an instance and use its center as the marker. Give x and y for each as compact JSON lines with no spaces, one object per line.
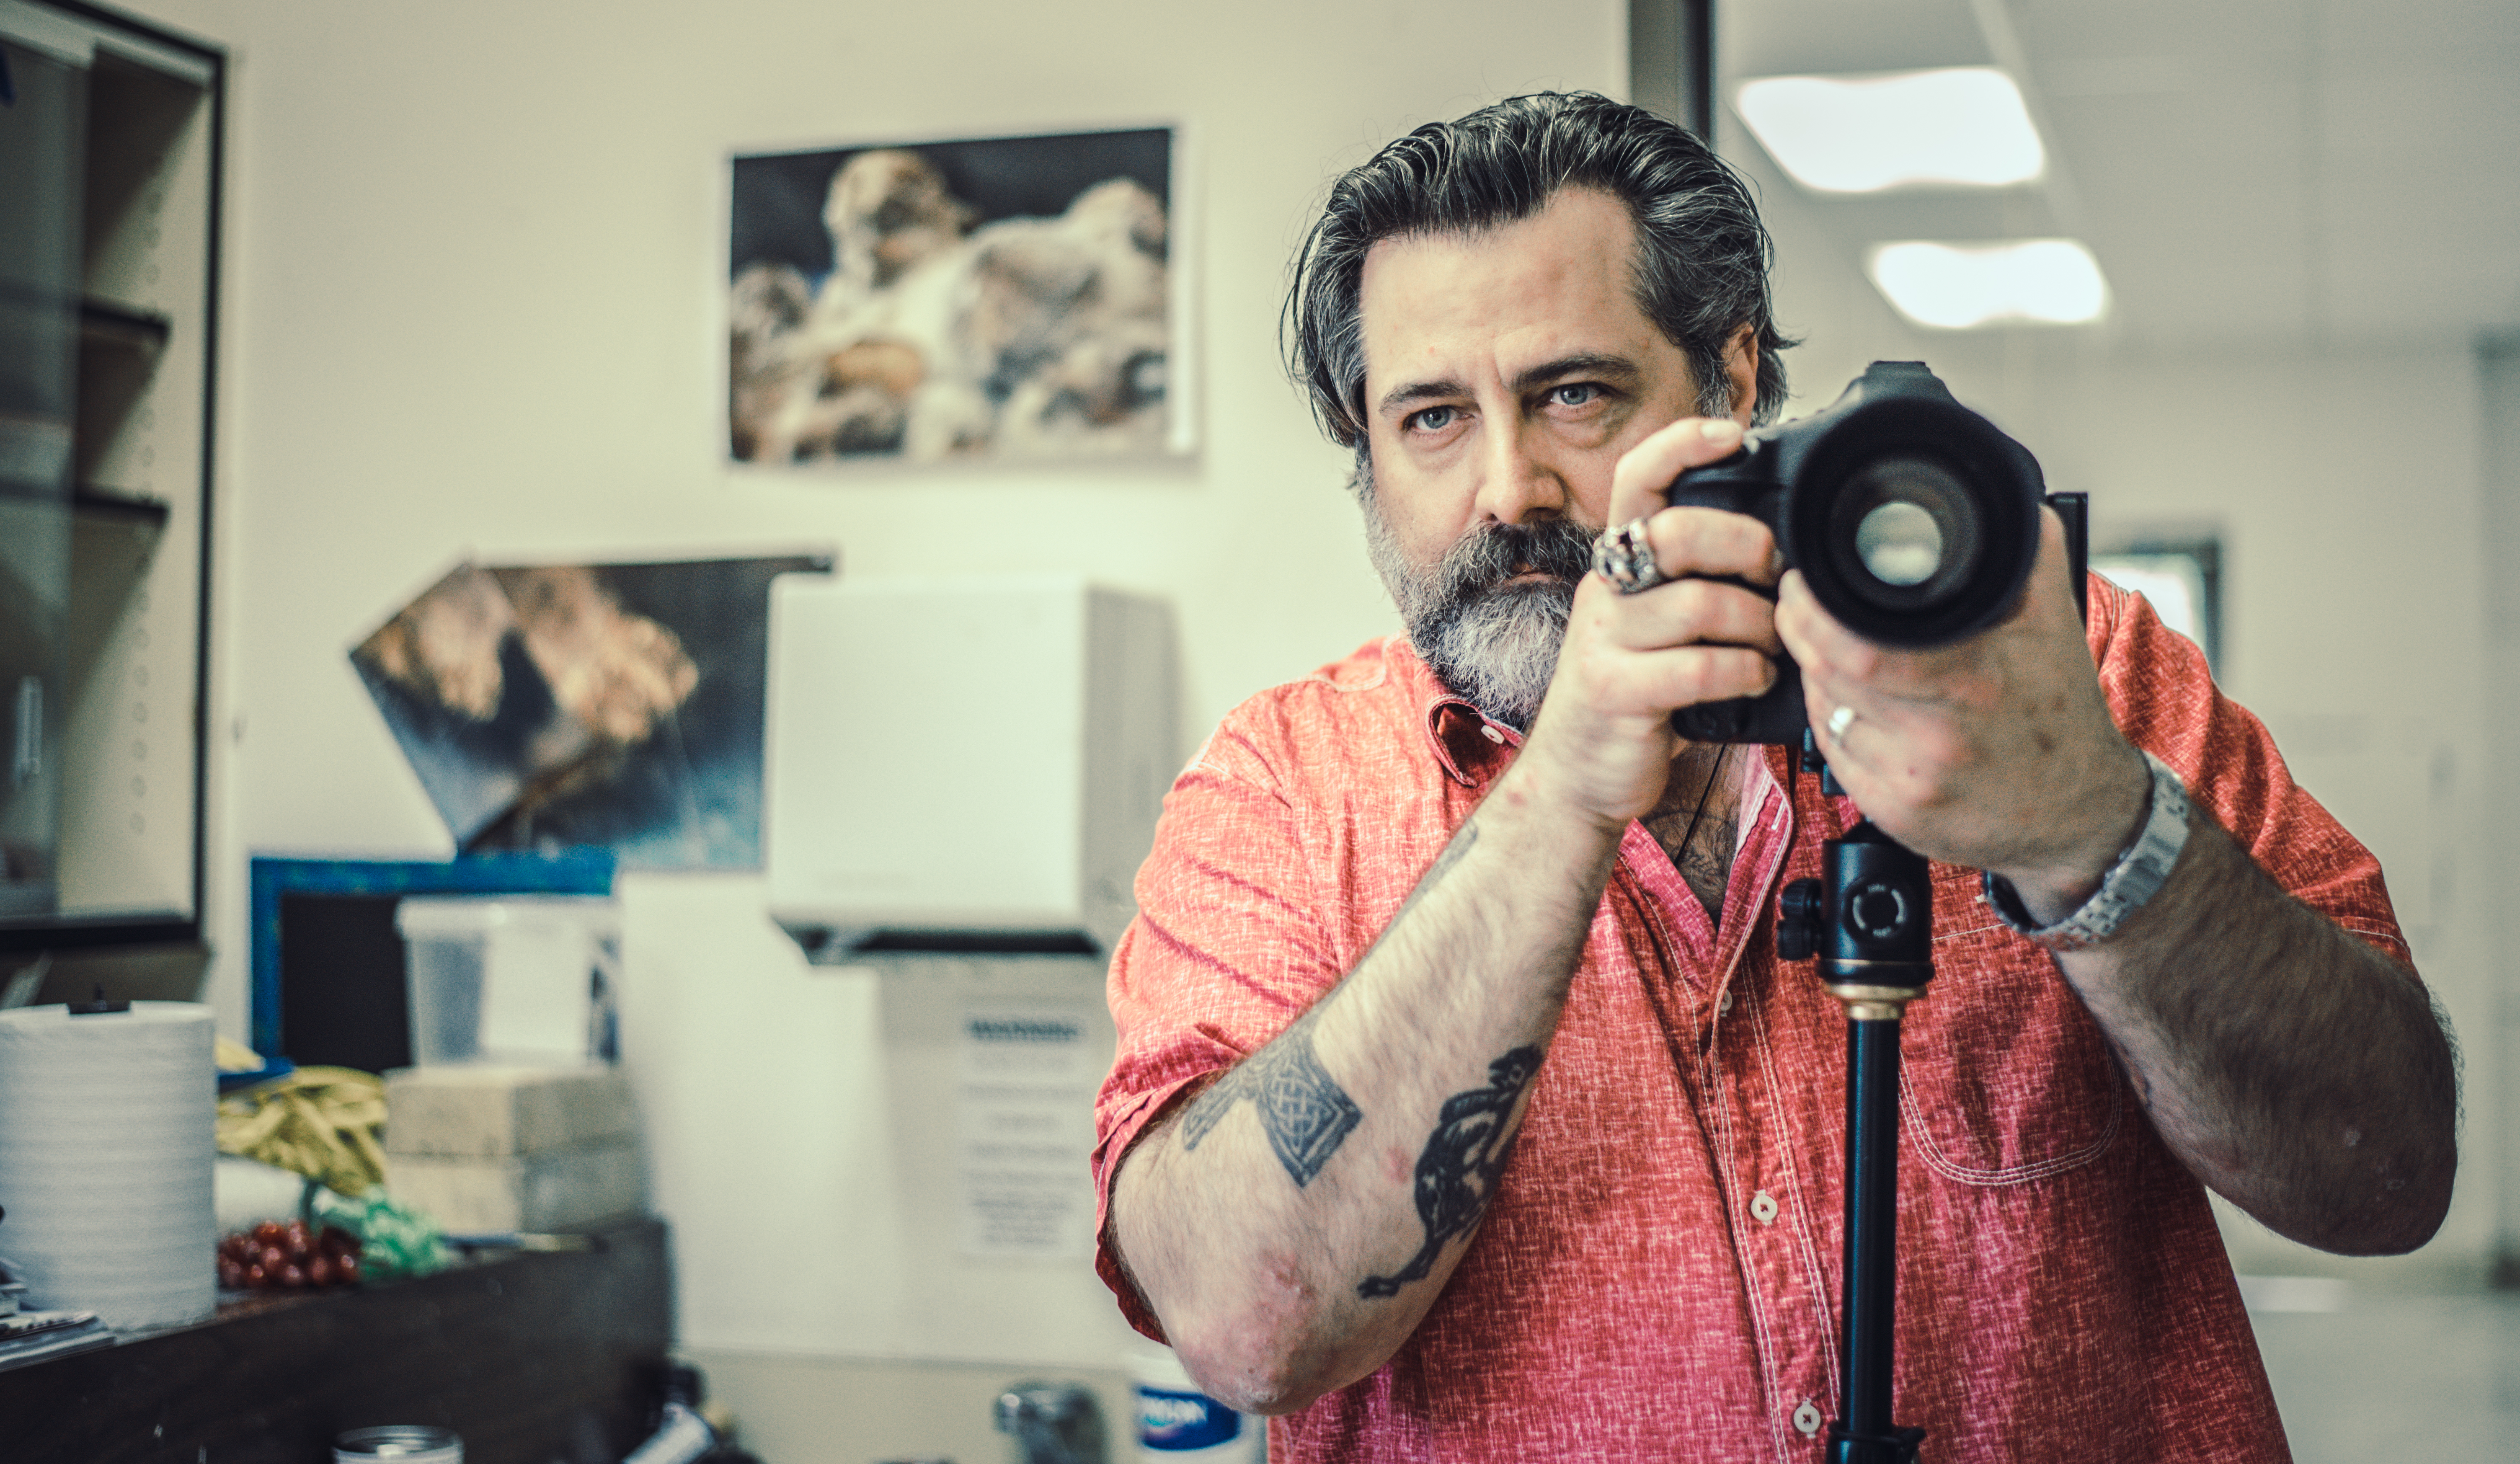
{"x":1865,"y":1435}
{"x":1869,"y":919}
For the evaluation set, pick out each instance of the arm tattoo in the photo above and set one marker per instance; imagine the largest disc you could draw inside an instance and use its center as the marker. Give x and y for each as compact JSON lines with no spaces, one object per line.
{"x":1303,"y":1110}
{"x":1456,"y":1175}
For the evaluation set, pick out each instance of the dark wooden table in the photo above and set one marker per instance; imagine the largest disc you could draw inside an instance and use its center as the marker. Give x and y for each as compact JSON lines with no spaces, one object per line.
{"x":552,"y":1358}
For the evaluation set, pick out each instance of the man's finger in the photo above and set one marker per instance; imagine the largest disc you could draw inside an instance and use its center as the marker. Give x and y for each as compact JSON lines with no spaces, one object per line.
{"x":1637,"y":486}
{"x":1690,"y":674}
{"x":1690,"y":611}
{"x":1712,"y":541}
{"x":1823,"y":646}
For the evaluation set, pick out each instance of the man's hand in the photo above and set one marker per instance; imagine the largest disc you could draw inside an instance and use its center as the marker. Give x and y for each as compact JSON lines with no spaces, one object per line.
{"x":1603,"y":739}
{"x":2290,"y":1066}
{"x":1997,"y":752}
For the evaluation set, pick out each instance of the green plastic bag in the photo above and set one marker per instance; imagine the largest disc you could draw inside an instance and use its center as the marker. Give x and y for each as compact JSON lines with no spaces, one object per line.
{"x":395,"y":1240}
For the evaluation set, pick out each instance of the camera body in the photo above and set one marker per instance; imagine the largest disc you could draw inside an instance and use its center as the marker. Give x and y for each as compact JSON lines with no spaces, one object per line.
{"x":1913,"y":519}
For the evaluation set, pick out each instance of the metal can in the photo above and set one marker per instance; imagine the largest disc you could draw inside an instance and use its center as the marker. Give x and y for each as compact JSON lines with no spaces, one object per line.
{"x":401,"y":1443}
{"x":1178,"y":1424}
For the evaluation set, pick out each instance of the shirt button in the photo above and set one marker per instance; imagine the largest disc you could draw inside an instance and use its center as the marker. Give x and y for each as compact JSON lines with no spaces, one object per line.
{"x":1763,"y":1209}
{"x":1490,"y":733}
{"x":1807,"y":1418}
{"x":1724,"y":1001}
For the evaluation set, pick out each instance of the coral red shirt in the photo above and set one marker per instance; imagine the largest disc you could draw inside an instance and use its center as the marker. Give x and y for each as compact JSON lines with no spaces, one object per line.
{"x":1657,"y":1276}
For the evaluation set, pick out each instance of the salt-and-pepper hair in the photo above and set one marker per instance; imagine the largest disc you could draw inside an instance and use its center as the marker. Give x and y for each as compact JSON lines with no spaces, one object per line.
{"x":1703,"y":255}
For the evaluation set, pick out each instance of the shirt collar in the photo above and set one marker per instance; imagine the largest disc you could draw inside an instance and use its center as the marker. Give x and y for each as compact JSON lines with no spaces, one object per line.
{"x":1472,"y":748}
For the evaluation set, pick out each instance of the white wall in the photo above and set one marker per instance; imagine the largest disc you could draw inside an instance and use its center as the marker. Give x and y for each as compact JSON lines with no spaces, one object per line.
{"x":474,"y":271}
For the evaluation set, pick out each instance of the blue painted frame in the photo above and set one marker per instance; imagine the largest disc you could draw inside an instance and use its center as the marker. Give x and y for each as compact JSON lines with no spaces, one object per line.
{"x":572,"y":872}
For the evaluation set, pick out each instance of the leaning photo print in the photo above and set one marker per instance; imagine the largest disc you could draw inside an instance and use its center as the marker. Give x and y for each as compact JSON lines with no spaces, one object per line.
{"x":999,"y":299}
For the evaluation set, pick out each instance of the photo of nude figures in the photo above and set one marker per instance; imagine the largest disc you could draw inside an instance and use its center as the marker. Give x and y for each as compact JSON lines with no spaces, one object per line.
{"x":614,"y":706}
{"x":998,"y":300}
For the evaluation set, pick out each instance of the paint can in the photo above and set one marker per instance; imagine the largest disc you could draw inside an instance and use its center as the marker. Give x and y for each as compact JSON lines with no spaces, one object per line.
{"x":1178,"y":1424}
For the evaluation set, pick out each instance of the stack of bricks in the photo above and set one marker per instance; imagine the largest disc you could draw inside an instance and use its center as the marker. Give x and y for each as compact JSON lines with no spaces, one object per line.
{"x":489,"y":1149}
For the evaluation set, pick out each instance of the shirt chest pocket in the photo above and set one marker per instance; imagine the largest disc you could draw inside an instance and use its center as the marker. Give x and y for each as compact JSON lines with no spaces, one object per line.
{"x":2004,"y":1077}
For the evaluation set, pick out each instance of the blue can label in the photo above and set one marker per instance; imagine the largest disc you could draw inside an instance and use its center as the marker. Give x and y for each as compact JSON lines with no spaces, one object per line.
{"x":1170,"y":1422}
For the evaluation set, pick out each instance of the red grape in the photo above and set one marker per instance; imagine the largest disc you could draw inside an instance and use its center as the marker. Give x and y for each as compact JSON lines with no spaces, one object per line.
{"x":273,"y":1255}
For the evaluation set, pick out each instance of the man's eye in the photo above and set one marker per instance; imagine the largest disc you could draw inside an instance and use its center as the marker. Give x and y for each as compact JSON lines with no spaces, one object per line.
{"x":1575,"y":394}
{"x":1432,"y":420}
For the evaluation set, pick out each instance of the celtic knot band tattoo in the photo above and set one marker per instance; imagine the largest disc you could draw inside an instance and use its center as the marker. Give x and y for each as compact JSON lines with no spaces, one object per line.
{"x":1302,"y":1109}
{"x":1456,"y":1175}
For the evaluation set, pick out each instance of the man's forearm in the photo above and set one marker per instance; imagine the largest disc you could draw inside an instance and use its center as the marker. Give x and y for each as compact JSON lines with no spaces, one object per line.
{"x":2295,"y":1069}
{"x":1291,"y":1225}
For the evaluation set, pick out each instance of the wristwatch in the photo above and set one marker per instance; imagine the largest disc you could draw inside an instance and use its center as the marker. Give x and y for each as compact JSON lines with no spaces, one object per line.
{"x":2137,"y":876}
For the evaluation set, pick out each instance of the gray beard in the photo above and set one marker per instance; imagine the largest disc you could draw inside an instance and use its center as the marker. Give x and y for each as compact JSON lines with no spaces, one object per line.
{"x":1493,"y":644}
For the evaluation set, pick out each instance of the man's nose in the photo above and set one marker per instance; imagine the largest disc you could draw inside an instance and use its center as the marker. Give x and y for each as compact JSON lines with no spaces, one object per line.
{"x":1518,"y":484}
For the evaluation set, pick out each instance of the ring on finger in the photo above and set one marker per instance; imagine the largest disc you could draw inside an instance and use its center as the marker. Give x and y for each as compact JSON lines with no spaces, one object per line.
{"x":1839,"y":721}
{"x":1625,"y":557}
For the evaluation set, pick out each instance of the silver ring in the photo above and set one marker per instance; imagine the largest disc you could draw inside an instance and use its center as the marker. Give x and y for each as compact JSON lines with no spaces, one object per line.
{"x":1625,"y":557}
{"x":1839,"y":721}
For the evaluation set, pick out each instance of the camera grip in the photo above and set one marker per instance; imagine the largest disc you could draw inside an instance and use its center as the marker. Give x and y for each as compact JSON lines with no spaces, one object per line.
{"x":1774,"y":716}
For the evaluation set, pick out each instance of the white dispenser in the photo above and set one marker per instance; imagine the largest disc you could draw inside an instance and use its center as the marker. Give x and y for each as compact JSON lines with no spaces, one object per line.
{"x":967,"y":764}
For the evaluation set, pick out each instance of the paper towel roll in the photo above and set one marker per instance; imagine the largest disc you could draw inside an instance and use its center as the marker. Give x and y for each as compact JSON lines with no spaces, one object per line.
{"x":108,"y":1128}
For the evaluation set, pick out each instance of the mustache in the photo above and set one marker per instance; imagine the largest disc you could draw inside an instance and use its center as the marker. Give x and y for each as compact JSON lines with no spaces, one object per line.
{"x":1486,"y":559}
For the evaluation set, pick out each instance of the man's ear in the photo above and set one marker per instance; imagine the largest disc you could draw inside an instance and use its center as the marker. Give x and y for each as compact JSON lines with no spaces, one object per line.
{"x":1742,"y":372}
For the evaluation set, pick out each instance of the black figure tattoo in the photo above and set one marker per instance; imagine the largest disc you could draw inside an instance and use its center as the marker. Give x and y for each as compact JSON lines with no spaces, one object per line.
{"x":1303,"y":1110}
{"x":1456,"y":1175}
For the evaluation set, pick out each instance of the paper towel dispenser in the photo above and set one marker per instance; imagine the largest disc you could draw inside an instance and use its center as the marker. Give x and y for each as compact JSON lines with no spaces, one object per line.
{"x":962,"y":764}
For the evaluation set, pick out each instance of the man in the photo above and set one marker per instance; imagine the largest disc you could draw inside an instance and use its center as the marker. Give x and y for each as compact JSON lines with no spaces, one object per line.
{"x":1462,"y":1109}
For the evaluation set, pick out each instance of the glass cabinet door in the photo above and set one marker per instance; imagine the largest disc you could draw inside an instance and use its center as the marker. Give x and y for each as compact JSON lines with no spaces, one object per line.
{"x":42,"y":117}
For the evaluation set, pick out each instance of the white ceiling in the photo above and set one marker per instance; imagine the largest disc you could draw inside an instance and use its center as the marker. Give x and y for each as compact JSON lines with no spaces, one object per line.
{"x":2305,"y":173}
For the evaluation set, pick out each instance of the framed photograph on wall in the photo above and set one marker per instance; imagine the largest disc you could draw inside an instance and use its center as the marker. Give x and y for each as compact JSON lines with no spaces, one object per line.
{"x":1005,"y":299}
{"x":2181,"y":575}
{"x":612,"y":706}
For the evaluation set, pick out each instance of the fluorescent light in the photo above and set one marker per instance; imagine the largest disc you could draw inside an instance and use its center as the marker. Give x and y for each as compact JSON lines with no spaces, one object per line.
{"x":1956,"y":285}
{"x":1963,"y":126}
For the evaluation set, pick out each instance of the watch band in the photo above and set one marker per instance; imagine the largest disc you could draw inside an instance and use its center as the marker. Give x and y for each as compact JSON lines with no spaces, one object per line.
{"x":2137,"y":876}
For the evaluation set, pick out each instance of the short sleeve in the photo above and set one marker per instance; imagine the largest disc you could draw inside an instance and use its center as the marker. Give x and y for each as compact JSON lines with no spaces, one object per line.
{"x":2165,"y":700}
{"x":1225,"y":954}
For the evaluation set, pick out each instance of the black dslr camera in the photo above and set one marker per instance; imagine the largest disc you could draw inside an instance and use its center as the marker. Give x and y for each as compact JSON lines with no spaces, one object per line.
{"x":1913,"y":519}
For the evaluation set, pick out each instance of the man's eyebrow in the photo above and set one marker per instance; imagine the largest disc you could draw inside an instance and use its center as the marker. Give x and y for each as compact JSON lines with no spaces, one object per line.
{"x":1418,"y":391}
{"x":1587,"y":363}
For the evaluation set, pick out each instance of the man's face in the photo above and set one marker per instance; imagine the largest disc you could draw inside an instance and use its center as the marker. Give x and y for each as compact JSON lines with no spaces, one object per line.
{"x":1506,"y":372}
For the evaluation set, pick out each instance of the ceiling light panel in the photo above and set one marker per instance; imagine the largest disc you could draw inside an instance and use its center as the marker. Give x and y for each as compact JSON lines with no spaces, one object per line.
{"x":1958,"y":286}
{"x":1961,"y":126}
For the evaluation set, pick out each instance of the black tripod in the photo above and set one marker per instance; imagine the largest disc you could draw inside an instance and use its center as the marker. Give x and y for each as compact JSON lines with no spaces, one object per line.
{"x":1869,"y":920}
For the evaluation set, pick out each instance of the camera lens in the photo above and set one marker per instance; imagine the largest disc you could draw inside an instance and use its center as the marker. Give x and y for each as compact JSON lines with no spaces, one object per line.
{"x":1906,"y":530}
{"x":1899,"y":544}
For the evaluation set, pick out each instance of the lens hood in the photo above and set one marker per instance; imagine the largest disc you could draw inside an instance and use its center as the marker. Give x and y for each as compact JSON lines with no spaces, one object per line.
{"x":1913,"y":519}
